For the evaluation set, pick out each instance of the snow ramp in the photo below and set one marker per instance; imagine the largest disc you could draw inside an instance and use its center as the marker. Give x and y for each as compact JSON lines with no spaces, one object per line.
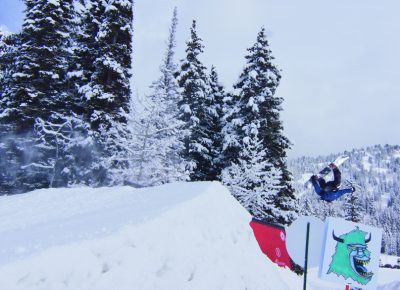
{"x":176,"y":236}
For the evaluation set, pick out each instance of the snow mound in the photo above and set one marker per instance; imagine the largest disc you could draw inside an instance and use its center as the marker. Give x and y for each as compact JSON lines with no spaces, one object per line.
{"x":177,"y":236}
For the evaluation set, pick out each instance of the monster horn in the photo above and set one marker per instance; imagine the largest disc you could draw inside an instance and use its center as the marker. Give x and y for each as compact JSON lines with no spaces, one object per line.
{"x":336,"y":238}
{"x":369,"y":239}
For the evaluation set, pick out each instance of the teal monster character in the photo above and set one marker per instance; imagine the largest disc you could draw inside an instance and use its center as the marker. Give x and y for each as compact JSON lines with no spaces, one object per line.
{"x":352,"y":256}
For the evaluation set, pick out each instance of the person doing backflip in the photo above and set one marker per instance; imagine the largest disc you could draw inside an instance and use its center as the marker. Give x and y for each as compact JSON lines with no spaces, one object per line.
{"x":329,"y":191}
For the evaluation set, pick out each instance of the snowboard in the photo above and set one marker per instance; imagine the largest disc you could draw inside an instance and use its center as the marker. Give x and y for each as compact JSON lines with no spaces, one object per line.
{"x":326,"y":170}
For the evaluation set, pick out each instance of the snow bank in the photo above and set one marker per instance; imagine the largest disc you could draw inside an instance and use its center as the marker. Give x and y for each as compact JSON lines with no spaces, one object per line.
{"x":391,"y":260}
{"x":179,"y":236}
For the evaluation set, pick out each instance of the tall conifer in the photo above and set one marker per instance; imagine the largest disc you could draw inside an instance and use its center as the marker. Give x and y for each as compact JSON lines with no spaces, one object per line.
{"x":193,"y":81}
{"x":252,"y":179}
{"x":255,"y":112}
{"x":155,"y":126}
{"x":37,"y":87}
{"x":10,"y":149}
{"x":352,"y":208}
{"x":214,"y":123}
{"x":104,"y":58}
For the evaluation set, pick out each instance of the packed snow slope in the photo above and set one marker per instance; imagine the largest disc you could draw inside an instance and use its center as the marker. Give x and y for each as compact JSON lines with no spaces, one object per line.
{"x":178,"y":236}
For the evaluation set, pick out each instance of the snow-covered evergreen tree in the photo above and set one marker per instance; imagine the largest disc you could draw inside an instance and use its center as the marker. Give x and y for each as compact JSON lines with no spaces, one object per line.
{"x":352,"y":208}
{"x":308,"y":207}
{"x":4,"y":50}
{"x":59,"y":71}
{"x":87,"y":47}
{"x":231,"y":120}
{"x":255,"y":111}
{"x":108,"y":90}
{"x":8,"y":47}
{"x":194,"y":113}
{"x":390,"y":221}
{"x":36,"y":88}
{"x":155,"y":127}
{"x":253,"y":181}
{"x":3,"y":34}
{"x":105,"y":63}
{"x":41,"y":62}
{"x":68,"y":146}
{"x":9,"y":149}
{"x":214,"y":124}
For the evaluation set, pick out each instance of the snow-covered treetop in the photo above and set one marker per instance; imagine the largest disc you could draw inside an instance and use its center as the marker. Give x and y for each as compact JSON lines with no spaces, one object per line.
{"x":4,"y":31}
{"x":169,"y":57}
{"x":194,"y":44}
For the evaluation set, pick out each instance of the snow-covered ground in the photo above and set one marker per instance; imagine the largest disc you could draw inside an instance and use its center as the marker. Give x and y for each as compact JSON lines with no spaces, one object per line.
{"x":177,"y":236}
{"x":390,"y":260}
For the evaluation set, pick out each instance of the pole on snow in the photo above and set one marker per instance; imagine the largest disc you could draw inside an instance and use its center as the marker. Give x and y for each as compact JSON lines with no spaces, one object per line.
{"x":306,"y":257}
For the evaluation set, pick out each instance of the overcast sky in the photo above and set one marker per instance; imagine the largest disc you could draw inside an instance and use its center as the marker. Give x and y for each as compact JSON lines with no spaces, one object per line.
{"x":340,"y":60}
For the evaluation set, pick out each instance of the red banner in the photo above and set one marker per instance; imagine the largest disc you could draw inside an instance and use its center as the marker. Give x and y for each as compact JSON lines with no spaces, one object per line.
{"x":272,"y":241}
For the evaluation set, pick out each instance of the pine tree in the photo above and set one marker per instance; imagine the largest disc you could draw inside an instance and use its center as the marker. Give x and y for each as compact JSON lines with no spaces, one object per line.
{"x":256,"y":112}
{"x":193,"y":81}
{"x":86,"y":48}
{"x":3,"y":34}
{"x":67,"y":144}
{"x":36,"y":88}
{"x":109,"y":89}
{"x":155,"y":127}
{"x":390,"y":222}
{"x":75,"y":44}
{"x":308,"y":207}
{"x":252,"y":180}
{"x":231,"y":141}
{"x":214,"y":123}
{"x":352,"y":208}
{"x":10,"y":152}
{"x":4,"y":48}
{"x":41,"y":63}
{"x":104,"y":57}
{"x":7,"y":53}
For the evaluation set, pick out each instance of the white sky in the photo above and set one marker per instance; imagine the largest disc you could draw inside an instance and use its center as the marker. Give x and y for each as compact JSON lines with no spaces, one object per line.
{"x":339,"y":60}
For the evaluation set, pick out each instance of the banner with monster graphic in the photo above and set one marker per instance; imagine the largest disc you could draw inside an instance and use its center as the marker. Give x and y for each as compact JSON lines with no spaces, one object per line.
{"x":351,"y":254}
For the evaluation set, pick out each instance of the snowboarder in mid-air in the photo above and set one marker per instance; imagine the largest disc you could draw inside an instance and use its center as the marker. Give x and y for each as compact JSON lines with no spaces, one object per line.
{"x":329,"y":191}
